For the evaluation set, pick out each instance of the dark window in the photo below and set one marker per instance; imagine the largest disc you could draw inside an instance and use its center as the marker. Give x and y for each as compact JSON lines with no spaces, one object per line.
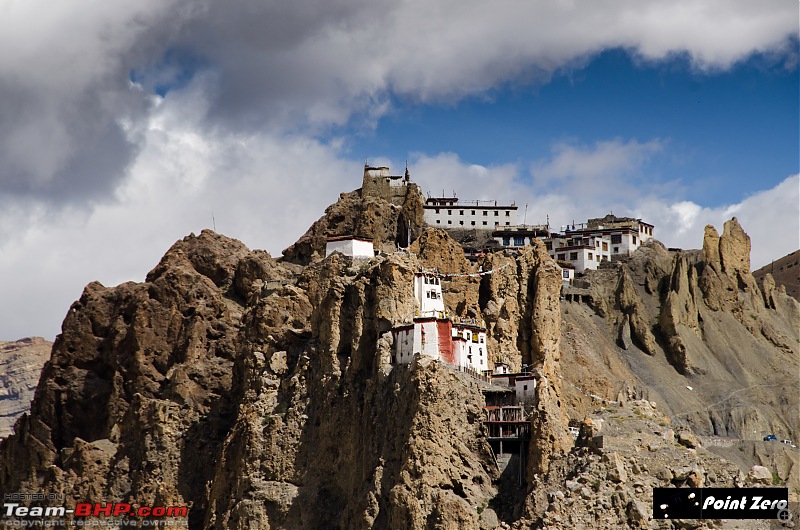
{"x":461,"y":212}
{"x":507,"y":223}
{"x":484,"y":223}
{"x":449,"y":222}
{"x":461,"y":222}
{"x":616,"y":250}
{"x":548,"y":245}
{"x":472,"y":222}
{"x":496,"y":213}
{"x":566,"y":273}
{"x":473,"y":212}
{"x":449,"y":212}
{"x":562,"y":257}
{"x":616,"y":239}
{"x":634,"y":240}
{"x":506,"y":241}
{"x":508,"y":214}
{"x":438,"y":221}
{"x":485,"y":213}
{"x":590,"y":256}
{"x":437,"y":210}
{"x":519,"y":241}
{"x":573,"y":255}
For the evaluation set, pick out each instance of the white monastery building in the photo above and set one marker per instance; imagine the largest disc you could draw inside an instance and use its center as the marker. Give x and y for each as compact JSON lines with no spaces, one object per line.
{"x":436,"y":335}
{"x":604,"y":238}
{"x":355,"y":247}
{"x":428,"y":292}
{"x":582,"y":246}
{"x":450,"y":212}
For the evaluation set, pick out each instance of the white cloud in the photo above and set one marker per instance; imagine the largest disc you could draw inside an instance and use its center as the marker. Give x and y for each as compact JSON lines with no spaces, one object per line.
{"x":97,"y":179}
{"x":64,"y":67}
{"x":771,"y":217}
{"x":606,"y":172}
{"x":263,"y":189}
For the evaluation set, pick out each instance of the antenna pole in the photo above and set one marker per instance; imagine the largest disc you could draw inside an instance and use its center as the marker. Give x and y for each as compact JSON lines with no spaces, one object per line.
{"x":213,"y":222}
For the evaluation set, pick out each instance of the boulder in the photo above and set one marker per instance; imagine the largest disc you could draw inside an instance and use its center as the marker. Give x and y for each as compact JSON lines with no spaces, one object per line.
{"x":760,"y":475}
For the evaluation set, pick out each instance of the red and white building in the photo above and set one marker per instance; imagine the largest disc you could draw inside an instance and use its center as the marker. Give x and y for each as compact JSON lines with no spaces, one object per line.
{"x":436,"y":335}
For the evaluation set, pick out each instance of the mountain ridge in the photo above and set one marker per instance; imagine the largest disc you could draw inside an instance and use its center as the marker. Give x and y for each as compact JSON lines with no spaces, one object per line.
{"x":250,"y":388}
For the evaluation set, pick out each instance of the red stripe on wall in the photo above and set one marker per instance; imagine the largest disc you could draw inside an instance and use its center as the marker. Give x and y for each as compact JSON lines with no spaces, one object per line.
{"x":445,"y":330}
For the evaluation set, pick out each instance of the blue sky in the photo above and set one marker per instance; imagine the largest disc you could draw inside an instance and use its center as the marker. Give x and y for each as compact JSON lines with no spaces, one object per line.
{"x":127,"y":125}
{"x":726,"y":134}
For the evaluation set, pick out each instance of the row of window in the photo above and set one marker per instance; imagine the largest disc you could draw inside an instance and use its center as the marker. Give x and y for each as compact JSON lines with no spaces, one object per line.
{"x":480,"y":353}
{"x":472,"y":223}
{"x":485,"y":213}
{"x":518,"y":241}
{"x":616,"y":239}
{"x":573,"y":256}
{"x":433,"y":295}
{"x":432,"y":281}
{"x":473,"y":337}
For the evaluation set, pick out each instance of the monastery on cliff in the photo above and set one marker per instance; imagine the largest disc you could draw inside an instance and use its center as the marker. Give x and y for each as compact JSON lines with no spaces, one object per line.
{"x":435,"y":334}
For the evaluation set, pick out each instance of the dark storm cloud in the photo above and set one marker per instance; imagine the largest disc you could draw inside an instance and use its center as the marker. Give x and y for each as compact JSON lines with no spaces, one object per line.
{"x":67,"y":150}
{"x":70,"y":117}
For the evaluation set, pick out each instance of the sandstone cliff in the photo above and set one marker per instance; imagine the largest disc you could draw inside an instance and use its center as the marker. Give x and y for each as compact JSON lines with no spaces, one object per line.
{"x":261,"y":392}
{"x":254,"y":390}
{"x":21,"y":362}
{"x":699,"y":337}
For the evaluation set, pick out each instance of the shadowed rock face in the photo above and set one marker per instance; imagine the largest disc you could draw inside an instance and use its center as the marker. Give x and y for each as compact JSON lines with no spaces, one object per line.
{"x":781,"y":274}
{"x":261,"y":392}
{"x":21,"y":362}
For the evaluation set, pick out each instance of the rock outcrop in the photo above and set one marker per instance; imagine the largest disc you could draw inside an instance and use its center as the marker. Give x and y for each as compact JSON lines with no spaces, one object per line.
{"x":21,"y":362}
{"x":387,"y":224}
{"x":261,"y":393}
{"x":785,"y":273}
{"x":723,"y":355}
{"x":253,"y":392}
